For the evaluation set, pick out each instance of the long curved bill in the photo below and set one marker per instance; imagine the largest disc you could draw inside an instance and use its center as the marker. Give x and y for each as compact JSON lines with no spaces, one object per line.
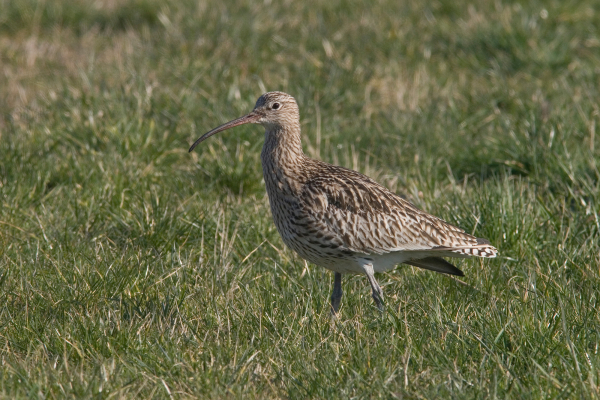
{"x":246,"y":119}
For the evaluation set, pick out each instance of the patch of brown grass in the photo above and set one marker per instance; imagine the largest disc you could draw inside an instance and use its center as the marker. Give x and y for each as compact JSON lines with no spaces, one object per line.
{"x":36,"y":68}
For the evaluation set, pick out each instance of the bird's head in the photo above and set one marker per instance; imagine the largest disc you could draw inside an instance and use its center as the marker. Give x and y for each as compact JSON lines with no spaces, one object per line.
{"x":273,"y":110}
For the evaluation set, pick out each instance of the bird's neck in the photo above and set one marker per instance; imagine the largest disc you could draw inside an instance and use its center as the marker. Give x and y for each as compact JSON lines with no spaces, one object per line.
{"x":282,"y":157}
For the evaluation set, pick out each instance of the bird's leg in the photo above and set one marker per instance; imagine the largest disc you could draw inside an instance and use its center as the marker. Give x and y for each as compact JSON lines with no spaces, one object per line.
{"x":336,"y":296}
{"x":377,"y":292}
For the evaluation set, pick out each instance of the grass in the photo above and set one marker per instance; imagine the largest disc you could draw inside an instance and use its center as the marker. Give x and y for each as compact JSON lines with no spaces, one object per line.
{"x":132,"y":269}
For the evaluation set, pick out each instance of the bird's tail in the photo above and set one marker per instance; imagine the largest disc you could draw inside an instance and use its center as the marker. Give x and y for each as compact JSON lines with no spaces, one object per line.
{"x":483,"y":248}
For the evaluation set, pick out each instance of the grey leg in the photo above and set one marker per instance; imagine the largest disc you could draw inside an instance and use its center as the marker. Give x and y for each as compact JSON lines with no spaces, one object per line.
{"x":336,"y":296}
{"x":377,"y":292}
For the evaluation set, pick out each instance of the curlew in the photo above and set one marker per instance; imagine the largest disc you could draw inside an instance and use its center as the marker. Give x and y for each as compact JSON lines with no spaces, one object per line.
{"x":340,"y":219}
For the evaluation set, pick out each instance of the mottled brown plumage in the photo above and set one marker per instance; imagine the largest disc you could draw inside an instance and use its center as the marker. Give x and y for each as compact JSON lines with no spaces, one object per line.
{"x":340,"y":219}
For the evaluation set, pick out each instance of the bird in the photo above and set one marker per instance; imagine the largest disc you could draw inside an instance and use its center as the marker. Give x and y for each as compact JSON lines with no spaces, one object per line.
{"x":340,"y":219}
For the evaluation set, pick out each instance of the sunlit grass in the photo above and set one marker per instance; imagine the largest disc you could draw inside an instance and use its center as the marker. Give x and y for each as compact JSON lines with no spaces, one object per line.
{"x":130,"y":268}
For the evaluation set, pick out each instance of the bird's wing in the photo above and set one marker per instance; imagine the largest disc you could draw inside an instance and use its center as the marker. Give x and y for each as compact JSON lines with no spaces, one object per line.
{"x":368,"y":218}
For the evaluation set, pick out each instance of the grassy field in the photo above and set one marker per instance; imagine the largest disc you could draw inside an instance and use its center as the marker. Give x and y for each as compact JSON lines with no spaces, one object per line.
{"x":132,"y":269}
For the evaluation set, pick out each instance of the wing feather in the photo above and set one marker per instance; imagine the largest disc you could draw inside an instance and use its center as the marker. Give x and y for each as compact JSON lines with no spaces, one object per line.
{"x":368,"y":218}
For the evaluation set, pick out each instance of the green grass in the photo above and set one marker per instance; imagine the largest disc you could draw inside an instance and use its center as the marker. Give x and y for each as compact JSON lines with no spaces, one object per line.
{"x":132,"y":269}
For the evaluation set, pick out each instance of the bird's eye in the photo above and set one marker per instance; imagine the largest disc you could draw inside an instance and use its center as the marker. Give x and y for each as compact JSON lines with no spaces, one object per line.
{"x":275,"y":106}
